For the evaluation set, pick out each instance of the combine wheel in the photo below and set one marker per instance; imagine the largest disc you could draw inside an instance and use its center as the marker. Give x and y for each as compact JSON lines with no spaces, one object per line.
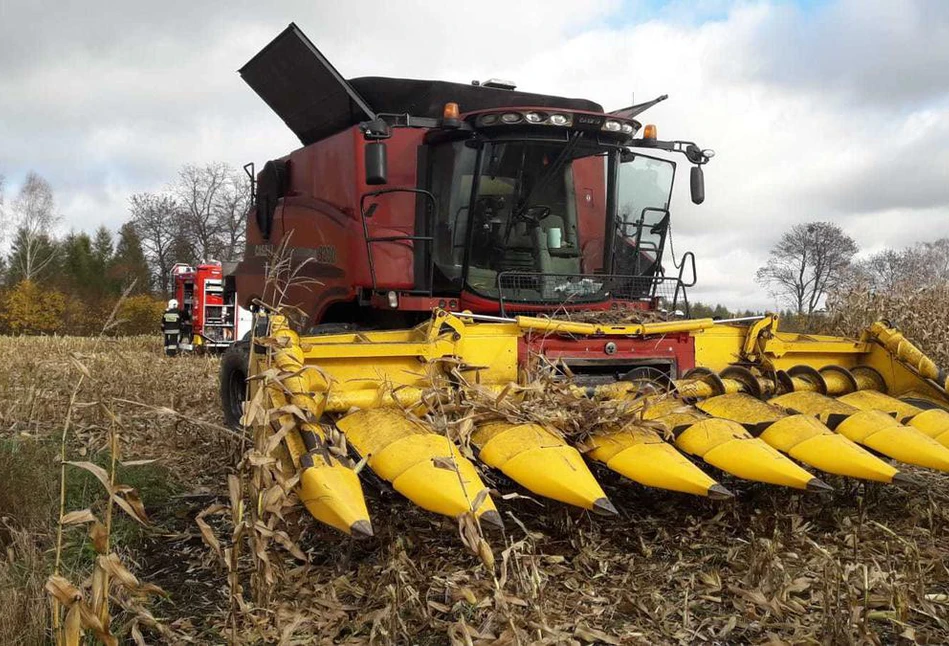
{"x":233,"y":382}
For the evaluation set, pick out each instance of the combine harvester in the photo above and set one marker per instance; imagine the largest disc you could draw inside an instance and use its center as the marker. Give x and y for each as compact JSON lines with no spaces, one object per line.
{"x":467,"y":238}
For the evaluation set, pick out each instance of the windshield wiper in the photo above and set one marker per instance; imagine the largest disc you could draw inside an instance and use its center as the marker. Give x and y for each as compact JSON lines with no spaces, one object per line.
{"x":548,"y":174}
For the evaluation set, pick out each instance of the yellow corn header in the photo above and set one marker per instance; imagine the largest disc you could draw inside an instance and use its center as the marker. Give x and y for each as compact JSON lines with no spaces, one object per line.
{"x":759,"y":404}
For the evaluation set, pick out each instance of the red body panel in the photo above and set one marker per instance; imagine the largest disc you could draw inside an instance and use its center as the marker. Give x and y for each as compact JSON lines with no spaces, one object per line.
{"x":679,"y":349}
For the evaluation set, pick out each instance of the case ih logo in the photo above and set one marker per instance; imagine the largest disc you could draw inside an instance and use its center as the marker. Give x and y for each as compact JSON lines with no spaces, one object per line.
{"x":587,"y":121}
{"x":324,"y":254}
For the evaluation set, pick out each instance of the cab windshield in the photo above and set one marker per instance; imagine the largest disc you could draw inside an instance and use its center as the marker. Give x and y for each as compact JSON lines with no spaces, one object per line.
{"x":529,"y":220}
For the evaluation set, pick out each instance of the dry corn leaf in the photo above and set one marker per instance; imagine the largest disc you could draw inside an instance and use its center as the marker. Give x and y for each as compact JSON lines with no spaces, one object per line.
{"x":592,"y":635}
{"x":79,"y":517}
{"x":138,"y":463}
{"x":99,"y":536}
{"x":72,"y":629}
{"x":62,"y":590}
{"x":207,"y":534}
{"x":100,"y":473}
{"x":111,"y":564}
{"x":129,"y":501}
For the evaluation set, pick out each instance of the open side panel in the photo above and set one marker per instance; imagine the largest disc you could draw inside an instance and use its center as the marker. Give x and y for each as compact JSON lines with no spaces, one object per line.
{"x":303,"y":88}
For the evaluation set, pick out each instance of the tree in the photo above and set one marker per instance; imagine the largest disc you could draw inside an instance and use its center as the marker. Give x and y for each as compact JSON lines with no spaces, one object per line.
{"x":40,"y":246}
{"x":157,"y":223}
{"x":889,"y":270}
{"x":128,"y":262}
{"x":884,"y":269}
{"x":807,"y":262}
{"x":214,"y":199}
{"x":78,"y":273}
{"x":233,"y":205}
{"x":30,"y":309}
{"x":102,"y":247}
{"x":33,"y":214}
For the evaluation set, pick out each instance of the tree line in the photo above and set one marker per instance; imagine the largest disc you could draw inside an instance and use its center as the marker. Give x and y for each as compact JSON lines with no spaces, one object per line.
{"x":814,"y":268}
{"x":816,"y":260}
{"x":52,"y":281}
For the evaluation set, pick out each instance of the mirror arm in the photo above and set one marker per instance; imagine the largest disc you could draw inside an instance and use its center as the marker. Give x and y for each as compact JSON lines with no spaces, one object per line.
{"x":376,"y":129}
{"x":692,"y":152}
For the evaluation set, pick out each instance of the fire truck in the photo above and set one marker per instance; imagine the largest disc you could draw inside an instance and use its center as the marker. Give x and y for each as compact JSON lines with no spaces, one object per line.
{"x":212,"y":320}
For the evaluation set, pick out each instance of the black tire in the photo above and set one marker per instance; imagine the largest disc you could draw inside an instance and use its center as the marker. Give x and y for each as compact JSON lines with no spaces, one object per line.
{"x":233,"y":383}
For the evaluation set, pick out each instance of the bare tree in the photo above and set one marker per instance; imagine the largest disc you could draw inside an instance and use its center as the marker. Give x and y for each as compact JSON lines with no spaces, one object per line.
{"x":924,"y":265}
{"x":214,"y":199}
{"x":928,"y":263}
{"x":809,"y":260}
{"x":33,"y":216}
{"x":232,"y":206}
{"x":158,"y":222}
{"x":883,"y":270}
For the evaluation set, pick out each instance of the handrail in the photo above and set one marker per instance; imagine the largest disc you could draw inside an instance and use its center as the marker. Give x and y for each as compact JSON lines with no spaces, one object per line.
{"x":365,"y":214}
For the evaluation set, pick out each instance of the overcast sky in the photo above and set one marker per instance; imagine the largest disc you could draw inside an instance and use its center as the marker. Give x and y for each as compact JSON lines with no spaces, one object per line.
{"x":817,"y":110}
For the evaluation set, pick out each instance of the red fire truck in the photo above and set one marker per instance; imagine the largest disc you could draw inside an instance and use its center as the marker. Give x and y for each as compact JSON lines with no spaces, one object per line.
{"x":210,"y":320}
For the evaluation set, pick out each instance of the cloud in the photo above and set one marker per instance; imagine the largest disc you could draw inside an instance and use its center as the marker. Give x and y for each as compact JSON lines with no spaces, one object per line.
{"x":834,"y":110}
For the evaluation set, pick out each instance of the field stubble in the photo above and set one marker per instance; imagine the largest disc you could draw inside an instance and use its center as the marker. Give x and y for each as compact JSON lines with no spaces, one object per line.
{"x":865,"y":565}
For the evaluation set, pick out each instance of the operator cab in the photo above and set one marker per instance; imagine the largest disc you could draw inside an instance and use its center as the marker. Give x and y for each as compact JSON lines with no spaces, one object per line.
{"x":544,"y":207}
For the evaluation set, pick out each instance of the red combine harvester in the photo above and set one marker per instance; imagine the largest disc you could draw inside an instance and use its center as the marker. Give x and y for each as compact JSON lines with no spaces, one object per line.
{"x":210,"y":311}
{"x":474,"y":237}
{"x":411,"y":195}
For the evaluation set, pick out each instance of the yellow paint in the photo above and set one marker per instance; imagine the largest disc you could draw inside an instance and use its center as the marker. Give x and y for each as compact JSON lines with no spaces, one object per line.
{"x":423,"y":466}
{"x":802,"y":437}
{"x":728,"y":446}
{"x":539,"y":461}
{"x":873,"y":429}
{"x":933,"y":423}
{"x":329,"y":493}
{"x":640,"y":454}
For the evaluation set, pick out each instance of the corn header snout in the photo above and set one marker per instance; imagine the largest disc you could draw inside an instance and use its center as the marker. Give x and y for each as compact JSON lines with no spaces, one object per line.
{"x":428,"y":409}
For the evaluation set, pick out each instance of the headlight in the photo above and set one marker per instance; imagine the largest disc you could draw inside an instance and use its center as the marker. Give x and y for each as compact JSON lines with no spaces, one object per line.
{"x":510,"y":117}
{"x":558,"y":119}
{"x":489,"y":119}
{"x":612,"y":126}
{"x":534,"y":117}
{"x":628,"y":128}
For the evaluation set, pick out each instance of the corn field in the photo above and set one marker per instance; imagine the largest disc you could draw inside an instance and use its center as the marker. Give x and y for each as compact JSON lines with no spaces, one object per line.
{"x":169,"y":528}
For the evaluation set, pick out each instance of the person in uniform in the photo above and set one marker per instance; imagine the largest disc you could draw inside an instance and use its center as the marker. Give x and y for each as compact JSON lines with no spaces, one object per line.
{"x":171,"y":328}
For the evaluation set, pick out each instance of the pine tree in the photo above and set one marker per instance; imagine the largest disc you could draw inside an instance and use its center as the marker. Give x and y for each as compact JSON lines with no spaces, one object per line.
{"x":77,"y":275}
{"x":102,"y":257}
{"x":128,"y":261}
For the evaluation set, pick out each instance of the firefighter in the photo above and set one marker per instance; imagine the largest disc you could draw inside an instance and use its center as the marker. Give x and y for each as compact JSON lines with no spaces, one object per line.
{"x":171,"y":328}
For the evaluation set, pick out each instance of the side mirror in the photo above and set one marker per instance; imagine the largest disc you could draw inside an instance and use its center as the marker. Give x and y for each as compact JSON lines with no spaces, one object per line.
{"x":698,"y":185}
{"x":376,"y":163}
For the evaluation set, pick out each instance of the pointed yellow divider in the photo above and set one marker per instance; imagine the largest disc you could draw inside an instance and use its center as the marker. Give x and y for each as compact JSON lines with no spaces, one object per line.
{"x":871,"y":428}
{"x":802,"y":437}
{"x":640,"y":454}
{"x":333,"y":495}
{"x":541,"y":462}
{"x":423,"y":466}
{"x":933,"y":422}
{"x":329,"y":489}
{"x":728,"y":446}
